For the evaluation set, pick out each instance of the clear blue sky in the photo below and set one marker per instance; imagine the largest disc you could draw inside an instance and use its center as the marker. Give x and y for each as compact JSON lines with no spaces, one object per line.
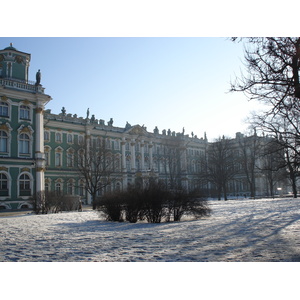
{"x":164,"y":82}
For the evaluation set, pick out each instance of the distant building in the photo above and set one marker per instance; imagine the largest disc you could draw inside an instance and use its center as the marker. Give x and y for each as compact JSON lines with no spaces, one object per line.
{"x":38,"y":149}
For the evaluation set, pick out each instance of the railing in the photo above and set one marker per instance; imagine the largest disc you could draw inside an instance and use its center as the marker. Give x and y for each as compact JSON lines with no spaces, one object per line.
{"x":21,"y":85}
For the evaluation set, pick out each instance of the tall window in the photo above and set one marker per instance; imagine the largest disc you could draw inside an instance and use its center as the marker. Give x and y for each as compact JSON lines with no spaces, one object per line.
{"x":58,"y":159}
{"x":128,"y":163}
{"x":3,"y":141}
{"x":47,"y":151}
{"x":24,"y":185}
{"x":58,"y":188}
{"x":3,"y":185}
{"x":3,"y":109}
{"x":81,"y":188}
{"x":70,"y":138}
{"x":58,"y":137}
{"x":46,"y":136}
{"x":70,"y":159}
{"x":24,"y":112}
{"x":70,"y":188}
{"x":24,"y":142}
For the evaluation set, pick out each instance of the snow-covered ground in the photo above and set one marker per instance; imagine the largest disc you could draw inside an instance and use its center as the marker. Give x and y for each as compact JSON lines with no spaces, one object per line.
{"x":237,"y":231}
{"x":266,"y":230}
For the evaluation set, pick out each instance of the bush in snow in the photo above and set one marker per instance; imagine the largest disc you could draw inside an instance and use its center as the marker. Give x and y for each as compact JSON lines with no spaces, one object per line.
{"x":181,"y":202}
{"x":53,"y":202}
{"x":153,"y":203}
{"x":111,"y":206}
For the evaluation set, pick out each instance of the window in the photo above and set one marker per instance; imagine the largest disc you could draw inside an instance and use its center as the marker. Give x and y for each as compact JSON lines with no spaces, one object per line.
{"x":24,"y":142}
{"x":117,"y":165}
{"x":80,"y":140}
{"x":3,"y":141}
{"x":58,"y":137}
{"x":46,"y":136}
{"x":47,"y":151}
{"x":3,"y":109}
{"x":70,"y":159}
{"x":70,"y":138}
{"x":24,"y":112}
{"x":24,"y":185}
{"x":117,"y":145}
{"x":118,"y":187}
{"x":58,"y":188}
{"x":70,"y":188}
{"x":138,"y":165}
{"x":81,"y":189}
{"x":3,"y":185}
{"x":128,"y":164}
{"x":58,"y":159}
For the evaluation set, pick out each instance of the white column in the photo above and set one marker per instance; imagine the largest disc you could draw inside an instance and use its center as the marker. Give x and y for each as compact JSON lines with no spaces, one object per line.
{"x":39,"y":149}
{"x":133,"y":169}
{"x":143,"y":156}
{"x":150,"y":156}
{"x":123,"y":143}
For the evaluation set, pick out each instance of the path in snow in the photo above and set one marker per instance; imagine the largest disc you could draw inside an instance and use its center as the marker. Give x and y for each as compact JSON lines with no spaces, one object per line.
{"x":237,"y":230}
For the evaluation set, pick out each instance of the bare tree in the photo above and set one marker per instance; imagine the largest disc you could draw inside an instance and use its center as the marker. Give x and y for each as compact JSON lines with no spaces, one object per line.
{"x":284,"y":136}
{"x":249,"y":152}
{"x":272,"y":78}
{"x":272,"y":65}
{"x":94,"y":164}
{"x":218,"y":165}
{"x":272,"y":164}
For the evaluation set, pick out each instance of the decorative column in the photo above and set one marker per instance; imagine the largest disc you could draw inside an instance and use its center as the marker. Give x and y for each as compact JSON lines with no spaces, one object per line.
{"x":143,"y":156}
{"x":39,"y":149}
{"x":123,"y":144}
{"x":124,"y":169}
{"x":150,"y":156}
{"x":184,"y":179}
{"x":133,"y":168}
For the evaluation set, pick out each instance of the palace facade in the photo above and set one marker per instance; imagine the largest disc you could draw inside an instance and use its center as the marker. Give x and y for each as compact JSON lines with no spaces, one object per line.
{"x":38,"y":149}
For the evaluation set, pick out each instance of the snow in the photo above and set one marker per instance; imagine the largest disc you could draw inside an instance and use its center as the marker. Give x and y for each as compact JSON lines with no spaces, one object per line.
{"x":262,"y":230}
{"x":237,"y":231}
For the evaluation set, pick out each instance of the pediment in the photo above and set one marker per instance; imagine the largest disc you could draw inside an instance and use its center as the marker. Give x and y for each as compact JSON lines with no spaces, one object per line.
{"x":137,"y":130}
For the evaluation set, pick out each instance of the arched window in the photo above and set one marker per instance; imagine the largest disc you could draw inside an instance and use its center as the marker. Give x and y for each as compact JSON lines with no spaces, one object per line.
{"x":81,"y":188}
{"x":3,"y":141}
{"x":3,"y":109}
{"x":70,"y":187}
{"x":24,"y":185}
{"x":3,"y":185}
{"x":118,"y":187}
{"x":70,"y":158}
{"x":24,"y":142}
{"x":58,"y":188}
{"x":58,"y":162}
{"x":24,"y":112}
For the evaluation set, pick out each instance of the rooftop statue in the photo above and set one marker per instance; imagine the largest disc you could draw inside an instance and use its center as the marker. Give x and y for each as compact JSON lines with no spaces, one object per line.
{"x":38,"y":77}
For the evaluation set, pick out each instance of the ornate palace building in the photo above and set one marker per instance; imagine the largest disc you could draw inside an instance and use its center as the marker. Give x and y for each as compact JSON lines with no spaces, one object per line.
{"x":38,"y":149}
